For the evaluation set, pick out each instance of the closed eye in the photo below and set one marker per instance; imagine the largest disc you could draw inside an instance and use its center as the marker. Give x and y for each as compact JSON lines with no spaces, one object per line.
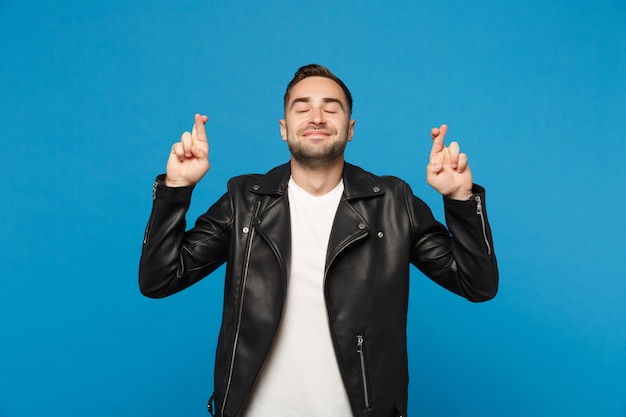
{"x":301,"y":108}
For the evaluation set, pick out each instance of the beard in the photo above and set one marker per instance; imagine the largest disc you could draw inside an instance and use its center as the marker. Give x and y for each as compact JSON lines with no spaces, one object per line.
{"x":317,"y":156}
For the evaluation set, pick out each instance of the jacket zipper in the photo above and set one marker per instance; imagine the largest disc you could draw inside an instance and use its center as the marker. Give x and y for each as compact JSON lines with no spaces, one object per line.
{"x":240,"y":312}
{"x":149,"y":226}
{"x":479,"y":211}
{"x":359,"y":350}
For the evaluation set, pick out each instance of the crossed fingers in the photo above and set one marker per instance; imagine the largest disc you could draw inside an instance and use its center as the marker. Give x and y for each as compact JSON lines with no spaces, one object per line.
{"x":192,"y":144}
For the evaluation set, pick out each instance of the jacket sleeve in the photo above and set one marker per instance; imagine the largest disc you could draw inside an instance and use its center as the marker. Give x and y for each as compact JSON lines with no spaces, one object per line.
{"x":172,"y":259}
{"x":460,"y":258}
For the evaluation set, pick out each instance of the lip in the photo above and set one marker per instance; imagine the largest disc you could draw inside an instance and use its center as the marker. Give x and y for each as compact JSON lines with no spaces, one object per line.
{"x":310,"y":133}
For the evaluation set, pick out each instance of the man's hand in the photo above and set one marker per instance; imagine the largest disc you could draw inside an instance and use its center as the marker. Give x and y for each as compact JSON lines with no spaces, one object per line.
{"x":189,"y":158}
{"x":448,"y":171}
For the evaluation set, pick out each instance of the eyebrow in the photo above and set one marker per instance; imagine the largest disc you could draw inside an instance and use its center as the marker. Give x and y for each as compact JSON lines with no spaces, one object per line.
{"x":308,"y":100}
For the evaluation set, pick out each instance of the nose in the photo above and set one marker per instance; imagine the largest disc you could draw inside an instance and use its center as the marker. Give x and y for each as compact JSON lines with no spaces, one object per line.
{"x":317,"y":116}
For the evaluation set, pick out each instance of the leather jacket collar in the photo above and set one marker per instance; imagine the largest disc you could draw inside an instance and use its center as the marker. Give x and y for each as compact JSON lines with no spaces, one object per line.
{"x":357,"y":183}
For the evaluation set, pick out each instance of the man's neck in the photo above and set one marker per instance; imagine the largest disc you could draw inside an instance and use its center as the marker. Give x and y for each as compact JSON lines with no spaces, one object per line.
{"x":319,"y":180}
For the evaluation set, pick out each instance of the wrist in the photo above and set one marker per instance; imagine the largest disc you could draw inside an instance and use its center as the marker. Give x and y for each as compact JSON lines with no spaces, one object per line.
{"x":177,"y":183}
{"x":460,"y":195}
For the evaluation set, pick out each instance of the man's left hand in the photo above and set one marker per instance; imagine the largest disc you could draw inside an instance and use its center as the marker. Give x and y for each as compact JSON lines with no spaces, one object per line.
{"x":448,"y":171}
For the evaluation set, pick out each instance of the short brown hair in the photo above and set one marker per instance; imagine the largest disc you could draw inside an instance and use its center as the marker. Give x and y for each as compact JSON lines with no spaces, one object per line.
{"x":315,"y":70}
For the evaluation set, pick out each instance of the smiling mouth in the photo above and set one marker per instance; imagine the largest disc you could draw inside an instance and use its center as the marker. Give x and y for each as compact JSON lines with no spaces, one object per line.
{"x":316,"y":132}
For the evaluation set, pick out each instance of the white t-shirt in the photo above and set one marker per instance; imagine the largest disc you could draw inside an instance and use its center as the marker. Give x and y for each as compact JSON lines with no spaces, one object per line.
{"x":301,"y":376}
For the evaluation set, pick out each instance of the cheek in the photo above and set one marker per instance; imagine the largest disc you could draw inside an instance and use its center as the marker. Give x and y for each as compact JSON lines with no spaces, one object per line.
{"x":292,"y":123}
{"x":342,"y":126}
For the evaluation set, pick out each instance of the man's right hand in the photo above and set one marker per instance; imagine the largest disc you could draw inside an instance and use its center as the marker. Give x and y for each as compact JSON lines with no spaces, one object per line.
{"x":189,"y":158}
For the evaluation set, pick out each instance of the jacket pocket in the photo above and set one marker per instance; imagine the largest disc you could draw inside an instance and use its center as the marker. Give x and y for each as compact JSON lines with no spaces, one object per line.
{"x":360,"y":350}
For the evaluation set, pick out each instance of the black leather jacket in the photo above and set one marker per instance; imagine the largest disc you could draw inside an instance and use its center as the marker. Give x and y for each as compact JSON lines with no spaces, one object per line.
{"x":379,"y":229}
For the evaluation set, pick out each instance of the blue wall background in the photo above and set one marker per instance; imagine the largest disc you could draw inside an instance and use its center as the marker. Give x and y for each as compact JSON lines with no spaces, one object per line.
{"x":94,"y":93}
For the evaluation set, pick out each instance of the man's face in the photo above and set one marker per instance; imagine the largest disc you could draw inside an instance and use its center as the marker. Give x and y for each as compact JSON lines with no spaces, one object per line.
{"x":317,"y":123}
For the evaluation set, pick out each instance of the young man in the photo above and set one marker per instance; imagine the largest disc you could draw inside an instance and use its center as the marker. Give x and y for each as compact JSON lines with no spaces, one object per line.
{"x":318,"y":254}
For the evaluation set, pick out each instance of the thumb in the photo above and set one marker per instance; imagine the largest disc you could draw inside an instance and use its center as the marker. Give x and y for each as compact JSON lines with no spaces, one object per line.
{"x":434,"y":168}
{"x":199,"y":153}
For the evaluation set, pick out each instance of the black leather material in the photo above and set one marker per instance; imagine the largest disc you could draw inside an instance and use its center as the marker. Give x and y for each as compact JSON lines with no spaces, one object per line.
{"x":379,"y":230}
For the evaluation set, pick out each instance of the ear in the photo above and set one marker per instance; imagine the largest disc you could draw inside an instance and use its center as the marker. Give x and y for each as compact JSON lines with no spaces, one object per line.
{"x":351,"y":130}
{"x":283,"y":129}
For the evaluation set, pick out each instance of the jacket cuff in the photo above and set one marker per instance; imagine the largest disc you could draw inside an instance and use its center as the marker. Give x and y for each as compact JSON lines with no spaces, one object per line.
{"x":174,"y":194}
{"x":477,"y":190}
{"x":467,"y":220}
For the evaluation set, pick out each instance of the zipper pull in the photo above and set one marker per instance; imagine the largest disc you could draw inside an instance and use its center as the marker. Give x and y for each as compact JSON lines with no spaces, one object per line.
{"x":359,"y":350}
{"x":479,"y":204}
